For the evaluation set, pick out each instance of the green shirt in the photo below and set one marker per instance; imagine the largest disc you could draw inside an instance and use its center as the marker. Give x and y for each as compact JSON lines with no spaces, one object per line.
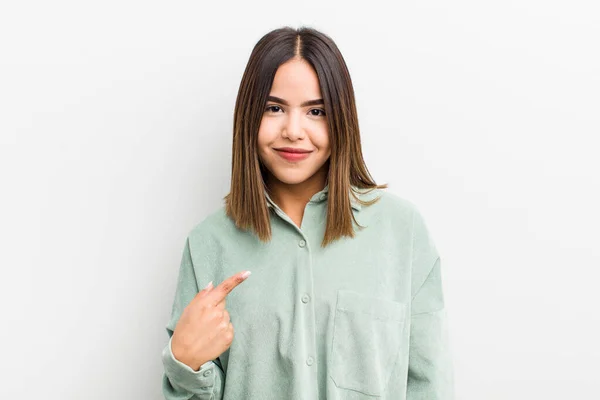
{"x":362,"y":318}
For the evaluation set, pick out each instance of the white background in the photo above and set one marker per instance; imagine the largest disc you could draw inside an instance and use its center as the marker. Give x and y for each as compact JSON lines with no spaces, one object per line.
{"x":116,"y":119}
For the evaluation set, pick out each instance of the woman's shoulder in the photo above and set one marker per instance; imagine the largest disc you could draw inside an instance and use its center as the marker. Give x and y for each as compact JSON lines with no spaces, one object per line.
{"x":391,"y":203}
{"x":400,"y":210}
{"x":212,"y":225}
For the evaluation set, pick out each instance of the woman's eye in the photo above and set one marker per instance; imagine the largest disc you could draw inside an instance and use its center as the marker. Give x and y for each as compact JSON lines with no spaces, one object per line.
{"x":318,"y":110}
{"x":273,"y":108}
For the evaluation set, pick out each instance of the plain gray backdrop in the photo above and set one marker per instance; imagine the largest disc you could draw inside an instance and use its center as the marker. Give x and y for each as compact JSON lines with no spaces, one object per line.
{"x":116,"y":119}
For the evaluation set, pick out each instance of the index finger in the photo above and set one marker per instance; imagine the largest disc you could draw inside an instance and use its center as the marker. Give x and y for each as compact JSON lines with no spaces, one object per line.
{"x":224,"y":288}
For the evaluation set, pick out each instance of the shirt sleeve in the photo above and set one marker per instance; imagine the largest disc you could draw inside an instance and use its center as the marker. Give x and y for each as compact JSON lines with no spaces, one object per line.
{"x":430,"y":369}
{"x":180,"y":381}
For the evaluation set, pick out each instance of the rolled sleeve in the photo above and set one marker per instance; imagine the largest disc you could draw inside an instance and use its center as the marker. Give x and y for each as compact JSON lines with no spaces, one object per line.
{"x":181,"y":376}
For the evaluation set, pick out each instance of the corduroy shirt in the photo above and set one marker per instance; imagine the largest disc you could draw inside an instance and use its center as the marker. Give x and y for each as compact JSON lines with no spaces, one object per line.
{"x":362,"y":318}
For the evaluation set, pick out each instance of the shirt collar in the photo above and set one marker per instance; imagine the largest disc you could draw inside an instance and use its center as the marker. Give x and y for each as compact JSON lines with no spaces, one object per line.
{"x":322,"y":196}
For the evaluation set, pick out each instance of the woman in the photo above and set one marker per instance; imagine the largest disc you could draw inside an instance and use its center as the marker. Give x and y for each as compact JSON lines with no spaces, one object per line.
{"x":345,"y":298}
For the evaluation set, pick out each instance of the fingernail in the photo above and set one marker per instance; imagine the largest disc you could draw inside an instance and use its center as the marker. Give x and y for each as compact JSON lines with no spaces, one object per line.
{"x":246,"y":274}
{"x":209,"y":286}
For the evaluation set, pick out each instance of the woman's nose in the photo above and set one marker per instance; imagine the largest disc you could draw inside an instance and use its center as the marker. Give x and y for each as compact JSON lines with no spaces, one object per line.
{"x":293,"y":127}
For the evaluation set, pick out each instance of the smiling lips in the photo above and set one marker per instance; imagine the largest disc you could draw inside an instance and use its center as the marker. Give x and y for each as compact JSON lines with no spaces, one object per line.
{"x":293,"y":154}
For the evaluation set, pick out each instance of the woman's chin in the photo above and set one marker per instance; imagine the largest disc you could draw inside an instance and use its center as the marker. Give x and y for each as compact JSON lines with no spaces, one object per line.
{"x":290,"y":178}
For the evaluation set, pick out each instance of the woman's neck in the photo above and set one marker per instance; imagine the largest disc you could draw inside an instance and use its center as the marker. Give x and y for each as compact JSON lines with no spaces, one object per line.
{"x":292,"y":198}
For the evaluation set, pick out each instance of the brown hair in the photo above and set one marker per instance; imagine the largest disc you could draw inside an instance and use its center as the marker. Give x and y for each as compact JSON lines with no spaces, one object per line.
{"x":246,"y":202}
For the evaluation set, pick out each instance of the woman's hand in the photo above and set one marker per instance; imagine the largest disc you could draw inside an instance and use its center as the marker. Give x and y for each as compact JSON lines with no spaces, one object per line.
{"x":204,"y":330}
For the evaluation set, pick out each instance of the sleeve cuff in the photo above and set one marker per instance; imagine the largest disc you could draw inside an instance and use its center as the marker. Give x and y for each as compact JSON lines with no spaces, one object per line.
{"x":181,"y":375}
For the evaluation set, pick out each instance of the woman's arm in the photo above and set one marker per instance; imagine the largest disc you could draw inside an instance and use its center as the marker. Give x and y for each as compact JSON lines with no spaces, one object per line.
{"x":430,"y":375}
{"x":430,"y":371}
{"x":181,"y":382}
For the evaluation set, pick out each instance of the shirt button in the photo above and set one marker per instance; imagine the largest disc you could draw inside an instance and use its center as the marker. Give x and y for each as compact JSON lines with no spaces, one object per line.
{"x":309,"y":361}
{"x":302,"y":243}
{"x":305,"y":298}
{"x":207,"y":373}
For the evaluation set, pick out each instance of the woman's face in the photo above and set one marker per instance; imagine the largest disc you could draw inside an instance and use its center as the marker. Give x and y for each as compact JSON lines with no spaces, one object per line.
{"x":290,"y":122}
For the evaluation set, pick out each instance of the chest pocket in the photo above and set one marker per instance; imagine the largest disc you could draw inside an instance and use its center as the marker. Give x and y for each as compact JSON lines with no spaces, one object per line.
{"x":367,"y":338}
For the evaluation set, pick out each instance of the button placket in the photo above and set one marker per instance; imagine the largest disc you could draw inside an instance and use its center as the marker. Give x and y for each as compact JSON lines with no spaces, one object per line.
{"x":305,"y":287}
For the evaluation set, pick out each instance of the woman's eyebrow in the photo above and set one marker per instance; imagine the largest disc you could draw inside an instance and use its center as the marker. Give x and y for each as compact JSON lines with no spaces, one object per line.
{"x":306,"y":103}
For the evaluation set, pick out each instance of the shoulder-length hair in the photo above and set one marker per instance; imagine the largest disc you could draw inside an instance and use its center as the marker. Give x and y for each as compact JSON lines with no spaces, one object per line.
{"x":246,"y":202}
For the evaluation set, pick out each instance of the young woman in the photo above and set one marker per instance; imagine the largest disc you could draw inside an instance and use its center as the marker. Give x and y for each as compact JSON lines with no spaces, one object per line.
{"x":345,"y":297}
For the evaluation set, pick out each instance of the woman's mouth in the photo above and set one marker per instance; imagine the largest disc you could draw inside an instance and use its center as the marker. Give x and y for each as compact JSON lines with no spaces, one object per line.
{"x":293,"y":154}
